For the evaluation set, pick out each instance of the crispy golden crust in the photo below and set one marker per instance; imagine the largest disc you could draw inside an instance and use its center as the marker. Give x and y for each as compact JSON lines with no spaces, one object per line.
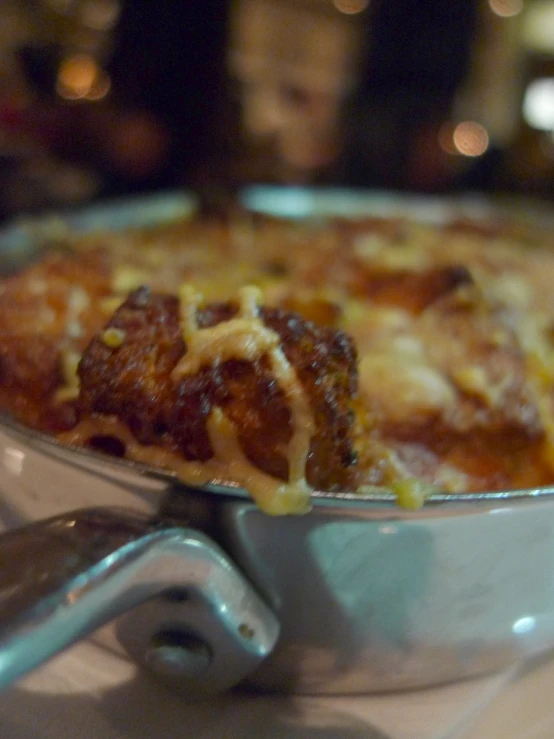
{"x":133,"y":382}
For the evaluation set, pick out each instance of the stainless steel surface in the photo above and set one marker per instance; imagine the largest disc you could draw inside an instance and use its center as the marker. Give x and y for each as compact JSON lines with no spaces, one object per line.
{"x":371,"y":603}
{"x":62,"y":578}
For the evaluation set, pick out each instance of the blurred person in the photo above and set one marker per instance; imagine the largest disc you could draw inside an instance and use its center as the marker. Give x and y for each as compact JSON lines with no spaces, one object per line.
{"x":294,"y":64}
{"x":354,"y":97}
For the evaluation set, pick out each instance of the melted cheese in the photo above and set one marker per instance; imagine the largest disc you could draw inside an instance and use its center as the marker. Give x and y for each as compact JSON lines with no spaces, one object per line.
{"x":375,"y":249}
{"x":110,"y":305}
{"x":531,"y":329}
{"x":69,"y":361}
{"x":112,"y":337}
{"x":369,"y":325}
{"x":540,"y":363}
{"x":474,"y":380}
{"x":227,"y":465}
{"x":78,"y":302}
{"x":246,"y":338}
{"x":126,"y":278}
{"x":409,"y":369}
{"x":403,"y":386}
{"x":411,"y":493}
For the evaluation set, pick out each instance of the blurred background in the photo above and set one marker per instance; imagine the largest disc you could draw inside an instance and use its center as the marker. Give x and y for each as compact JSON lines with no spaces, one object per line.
{"x":108,"y":97}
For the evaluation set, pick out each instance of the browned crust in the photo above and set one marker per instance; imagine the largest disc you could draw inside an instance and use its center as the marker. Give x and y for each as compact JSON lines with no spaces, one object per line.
{"x":133,"y":382}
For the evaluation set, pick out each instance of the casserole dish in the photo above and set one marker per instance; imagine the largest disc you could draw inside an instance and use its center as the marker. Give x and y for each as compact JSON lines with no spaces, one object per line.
{"x":357,"y":596}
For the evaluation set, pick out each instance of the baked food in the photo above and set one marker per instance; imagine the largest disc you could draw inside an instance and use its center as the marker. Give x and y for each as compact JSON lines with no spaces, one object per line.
{"x":446,"y":382}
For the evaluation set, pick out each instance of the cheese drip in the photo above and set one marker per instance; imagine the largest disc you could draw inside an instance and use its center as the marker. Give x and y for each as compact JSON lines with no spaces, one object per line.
{"x":69,"y":360}
{"x":228,"y":464}
{"x":246,"y":338}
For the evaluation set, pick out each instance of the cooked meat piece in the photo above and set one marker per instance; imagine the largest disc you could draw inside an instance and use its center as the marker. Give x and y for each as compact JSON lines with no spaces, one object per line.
{"x":127,"y":372}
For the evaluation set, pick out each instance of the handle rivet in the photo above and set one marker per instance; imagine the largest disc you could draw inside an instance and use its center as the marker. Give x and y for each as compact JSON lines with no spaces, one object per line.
{"x":246,"y":631}
{"x":176,"y":654}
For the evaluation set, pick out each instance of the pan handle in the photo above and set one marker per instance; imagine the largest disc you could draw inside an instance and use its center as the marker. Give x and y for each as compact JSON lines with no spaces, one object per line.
{"x":189,"y":615}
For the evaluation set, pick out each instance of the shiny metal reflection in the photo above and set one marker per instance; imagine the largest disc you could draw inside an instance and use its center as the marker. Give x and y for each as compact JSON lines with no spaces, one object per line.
{"x":62,"y":578}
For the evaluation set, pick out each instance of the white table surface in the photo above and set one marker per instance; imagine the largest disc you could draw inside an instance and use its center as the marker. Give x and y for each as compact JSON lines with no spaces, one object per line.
{"x":93,"y":692}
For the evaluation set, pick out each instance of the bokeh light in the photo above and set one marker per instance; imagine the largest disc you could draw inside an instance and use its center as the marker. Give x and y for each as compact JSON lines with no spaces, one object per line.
{"x":351,"y":7}
{"x":506,"y":8}
{"x":471,"y":139}
{"x":80,"y":78}
{"x":538,"y":104}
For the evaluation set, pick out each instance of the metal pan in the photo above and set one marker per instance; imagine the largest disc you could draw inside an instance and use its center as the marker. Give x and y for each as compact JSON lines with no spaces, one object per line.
{"x":357,"y":596}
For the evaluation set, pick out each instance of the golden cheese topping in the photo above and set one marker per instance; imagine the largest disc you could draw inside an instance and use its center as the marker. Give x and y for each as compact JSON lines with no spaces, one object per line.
{"x":112,"y":337}
{"x":403,"y":386}
{"x":454,"y":329}
{"x":246,"y":338}
{"x":69,"y":361}
{"x":228,"y":464}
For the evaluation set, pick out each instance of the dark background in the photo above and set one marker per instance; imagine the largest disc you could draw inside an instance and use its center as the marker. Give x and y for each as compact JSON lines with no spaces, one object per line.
{"x":173,"y":114}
